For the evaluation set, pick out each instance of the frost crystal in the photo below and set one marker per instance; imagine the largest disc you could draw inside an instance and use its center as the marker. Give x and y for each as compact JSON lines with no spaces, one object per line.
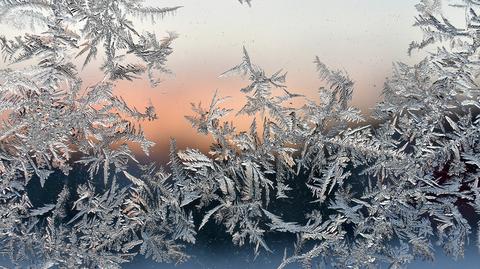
{"x":377,"y":195}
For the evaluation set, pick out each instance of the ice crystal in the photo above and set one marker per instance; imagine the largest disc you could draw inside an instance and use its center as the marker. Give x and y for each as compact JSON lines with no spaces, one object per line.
{"x":380,"y":194}
{"x":48,"y":115}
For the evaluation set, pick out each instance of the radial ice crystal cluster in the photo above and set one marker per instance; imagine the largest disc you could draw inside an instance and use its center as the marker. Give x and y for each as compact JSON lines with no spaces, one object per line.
{"x":382,"y":194}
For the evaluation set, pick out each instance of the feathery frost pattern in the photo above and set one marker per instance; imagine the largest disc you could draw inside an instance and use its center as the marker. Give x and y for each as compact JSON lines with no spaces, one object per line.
{"x":51,"y":122}
{"x":378,"y":195}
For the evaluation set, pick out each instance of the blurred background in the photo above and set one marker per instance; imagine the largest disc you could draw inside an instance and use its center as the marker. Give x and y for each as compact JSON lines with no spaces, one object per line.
{"x":362,"y":37}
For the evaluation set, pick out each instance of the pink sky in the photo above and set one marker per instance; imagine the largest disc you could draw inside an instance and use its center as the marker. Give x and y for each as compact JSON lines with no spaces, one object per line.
{"x":363,"y":37}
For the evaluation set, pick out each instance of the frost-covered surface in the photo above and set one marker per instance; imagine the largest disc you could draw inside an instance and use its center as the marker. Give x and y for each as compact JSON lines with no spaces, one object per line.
{"x":376,"y":195}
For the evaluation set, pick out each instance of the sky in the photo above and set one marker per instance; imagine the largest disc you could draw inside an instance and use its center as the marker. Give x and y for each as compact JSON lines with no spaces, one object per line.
{"x":362,"y":37}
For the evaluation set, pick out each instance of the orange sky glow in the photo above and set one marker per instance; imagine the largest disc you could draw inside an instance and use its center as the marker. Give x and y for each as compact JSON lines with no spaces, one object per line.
{"x":362,"y":37}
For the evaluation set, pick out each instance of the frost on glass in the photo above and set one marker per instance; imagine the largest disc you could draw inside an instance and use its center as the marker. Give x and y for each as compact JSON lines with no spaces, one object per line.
{"x":51,"y":121}
{"x":384,"y":194}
